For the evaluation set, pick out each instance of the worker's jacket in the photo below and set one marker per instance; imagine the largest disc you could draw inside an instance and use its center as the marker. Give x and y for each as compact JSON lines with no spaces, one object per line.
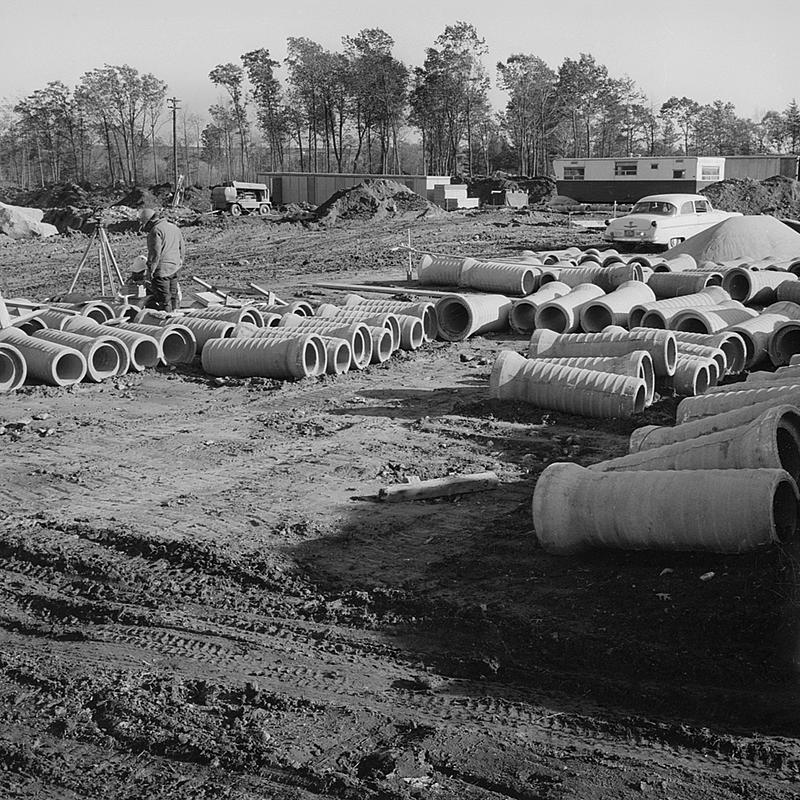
{"x":165,"y":249}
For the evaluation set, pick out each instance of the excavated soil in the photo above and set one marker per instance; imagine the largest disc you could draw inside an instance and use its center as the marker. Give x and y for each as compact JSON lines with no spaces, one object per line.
{"x":777,"y":195}
{"x":202,"y":597}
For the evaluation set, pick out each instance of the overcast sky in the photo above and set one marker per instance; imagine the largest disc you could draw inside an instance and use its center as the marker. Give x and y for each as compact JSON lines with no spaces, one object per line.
{"x":745,"y":51}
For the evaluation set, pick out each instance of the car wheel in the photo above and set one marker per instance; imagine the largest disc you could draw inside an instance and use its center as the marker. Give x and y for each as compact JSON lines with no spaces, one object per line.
{"x":236,"y":210}
{"x":263,"y":210}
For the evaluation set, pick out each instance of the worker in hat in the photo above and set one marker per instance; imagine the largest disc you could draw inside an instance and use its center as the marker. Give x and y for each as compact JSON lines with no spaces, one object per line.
{"x":165,"y":254}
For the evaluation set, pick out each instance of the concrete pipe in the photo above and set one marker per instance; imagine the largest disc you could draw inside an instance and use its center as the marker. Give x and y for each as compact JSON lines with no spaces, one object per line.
{"x":176,"y":342}
{"x":377,"y":319}
{"x":522,"y":316}
{"x":712,"y":296}
{"x":567,"y":389}
{"x":262,"y":357}
{"x":701,"y":351}
{"x":492,"y":276}
{"x":638,"y":364}
{"x":46,"y":362}
{"x":713,"y":403}
{"x":757,"y":334}
{"x":676,"y":284}
{"x":614,"y":308}
{"x":143,"y":349}
{"x":228,"y":314}
{"x":768,"y":442}
{"x":299,"y":307}
{"x":755,"y":287}
{"x":788,"y":290}
{"x":101,"y":353}
{"x":784,"y":343}
{"x":650,"y":436}
{"x":13,"y":369}
{"x":729,"y":342}
{"x":693,"y":376}
{"x":357,"y":334}
{"x":435,"y":270}
{"x":782,"y":374}
{"x":681,"y":263}
{"x":425,"y":311}
{"x":53,"y":319}
{"x":463,"y":315}
{"x":721,"y":511}
{"x":785,"y":308}
{"x":284,"y":334}
{"x":650,"y":262}
{"x":95,"y":310}
{"x":710,"y":320}
{"x":563,"y":314}
{"x":204,"y":330}
{"x":611,"y":342}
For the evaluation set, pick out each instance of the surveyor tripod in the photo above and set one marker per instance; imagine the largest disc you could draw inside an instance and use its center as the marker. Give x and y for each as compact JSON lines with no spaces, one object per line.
{"x":110,"y":274}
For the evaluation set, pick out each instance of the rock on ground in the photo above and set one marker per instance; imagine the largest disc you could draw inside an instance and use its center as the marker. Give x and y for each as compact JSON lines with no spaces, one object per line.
{"x":19,"y":222}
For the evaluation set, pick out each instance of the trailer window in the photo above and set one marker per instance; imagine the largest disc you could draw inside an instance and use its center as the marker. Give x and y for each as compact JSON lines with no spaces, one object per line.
{"x":625,"y":168}
{"x":574,"y":173}
{"x":677,"y":174}
{"x":709,"y":173}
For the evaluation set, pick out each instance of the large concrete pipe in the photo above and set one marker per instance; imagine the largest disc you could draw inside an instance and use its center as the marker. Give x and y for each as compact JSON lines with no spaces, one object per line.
{"x":681,"y":263}
{"x":378,"y":319}
{"x":425,"y":311}
{"x":357,"y":334}
{"x":143,"y":349}
{"x":757,"y":334}
{"x":650,"y":262}
{"x":95,"y":310}
{"x":700,"y":351}
{"x":710,"y":320}
{"x":713,"y":403}
{"x":755,"y":287}
{"x":53,"y":318}
{"x":730,"y":343}
{"x":176,"y":342}
{"x":614,"y":308}
{"x":463,"y":315}
{"x":668,"y":318}
{"x":722,"y":511}
{"x":676,"y":284}
{"x":711,"y":296}
{"x":638,"y":364}
{"x":784,"y":342}
{"x":693,"y":376}
{"x":13,"y":369}
{"x":611,"y":342}
{"x":563,"y":314}
{"x":204,"y":330}
{"x":567,"y":389}
{"x":101,"y":353}
{"x":768,"y":442}
{"x":435,"y":270}
{"x":607,"y":278}
{"x":329,"y":359}
{"x":262,"y":357}
{"x":53,"y":364}
{"x":650,"y":436}
{"x":522,"y":316}
{"x":227,"y":314}
{"x":788,"y":290}
{"x":785,"y":308}
{"x":491,"y":276}
{"x":300,"y":307}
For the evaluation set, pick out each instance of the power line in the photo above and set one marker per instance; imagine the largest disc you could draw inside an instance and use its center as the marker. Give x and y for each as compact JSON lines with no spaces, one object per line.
{"x":172,"y":105}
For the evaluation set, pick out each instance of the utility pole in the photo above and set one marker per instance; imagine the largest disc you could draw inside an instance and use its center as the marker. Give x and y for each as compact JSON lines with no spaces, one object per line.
{"x":172,"y":104}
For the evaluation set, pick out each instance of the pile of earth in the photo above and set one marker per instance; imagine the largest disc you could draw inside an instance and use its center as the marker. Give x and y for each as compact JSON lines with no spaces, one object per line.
{"x":61,"y":195}
{"x":751,"y":237}
{"x":540,"y":188}
{"x":375,"y":198}
{"x":779,"y":196}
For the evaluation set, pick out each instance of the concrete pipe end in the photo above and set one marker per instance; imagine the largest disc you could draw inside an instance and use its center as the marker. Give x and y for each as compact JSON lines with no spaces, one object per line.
{"x":505,"y":369}
{"x":455,"y":319}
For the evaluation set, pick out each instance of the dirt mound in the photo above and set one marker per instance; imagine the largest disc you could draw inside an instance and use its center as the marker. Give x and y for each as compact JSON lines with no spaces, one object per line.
{"x":141,"y":197}
{"x":742,"y":237}
{"x":539,"y":188}
{"x":777,"y":195}
{"x":375,"y":199}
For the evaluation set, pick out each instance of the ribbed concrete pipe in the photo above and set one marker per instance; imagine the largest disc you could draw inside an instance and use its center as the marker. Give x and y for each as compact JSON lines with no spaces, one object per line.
{"x":721,"y":511}
{"x":781,"y":375}
{"x":650,"y":262}
{"x":228,"y":314}
{"x":54,"y":319}
{"x":786,"y":308}
{"x":755,"y":287}
{"x":757,"y":334}
{"x":611,"y":342}
{"x":143,"y":350}
{"x":425,"y":311}
{"x":567,"y":389}
{"x":607,"y":278}
{"x":668,"y":318}
{"x":299,"y":307}
{"x":563,"y":314}
{"x":676,"y":284}
{"x":788,"y":290}
{"x":711,"y":296}
{"x":729,"y":342}
{"x":522,"y":316}
{"x":376,"y":319}
{"x":767,"y":442}
{"x":96,"y":310}
{"x":693,"y":375}
{"x":784,"y":343}
{"x":262,"y":357}
{"x":700,"y":351}
{"x":638,"y":364}
{"x":176,"y":342}
{"x":492,"y":276}
{"x":46,"y":362}
{"x":204,"y":330}
{"x":650,"y":436}
{"x":357,"y":334}
{"x":433,"y":270}
{"x":614,"y":308}
{"x":710,"y":320}
{"x":101,"y":353}
{"x":329,"y":359}
{"x":13,"y":369}
{"x":713,"y":403}
{"x":461,"y":316}
{"x":680,"y":263}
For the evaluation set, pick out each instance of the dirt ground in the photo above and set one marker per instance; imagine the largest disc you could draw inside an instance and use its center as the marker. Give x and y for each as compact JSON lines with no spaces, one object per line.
{"x":202,"y":597}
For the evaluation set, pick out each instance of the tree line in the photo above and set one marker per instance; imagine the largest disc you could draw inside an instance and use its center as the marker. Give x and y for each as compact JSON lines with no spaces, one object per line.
{"x":361,"y":109}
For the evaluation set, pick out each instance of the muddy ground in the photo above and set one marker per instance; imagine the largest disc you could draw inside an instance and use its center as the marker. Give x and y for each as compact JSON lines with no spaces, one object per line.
{"x":203,"y":599}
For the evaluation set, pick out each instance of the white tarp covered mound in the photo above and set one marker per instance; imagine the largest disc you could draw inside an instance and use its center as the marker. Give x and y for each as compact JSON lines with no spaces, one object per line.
{"x":754,"y":237}
{"x":24,"y":223}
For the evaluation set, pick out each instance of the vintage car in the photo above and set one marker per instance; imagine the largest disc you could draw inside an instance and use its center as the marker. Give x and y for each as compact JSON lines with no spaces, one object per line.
{"x":663,"y":219}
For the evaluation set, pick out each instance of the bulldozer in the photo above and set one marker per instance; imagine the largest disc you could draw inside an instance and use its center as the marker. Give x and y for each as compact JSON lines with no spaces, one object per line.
{"x":239,"y":198}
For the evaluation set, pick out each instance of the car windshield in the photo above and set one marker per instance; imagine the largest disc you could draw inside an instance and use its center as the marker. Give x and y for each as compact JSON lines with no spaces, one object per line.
{"x":655,"y":207}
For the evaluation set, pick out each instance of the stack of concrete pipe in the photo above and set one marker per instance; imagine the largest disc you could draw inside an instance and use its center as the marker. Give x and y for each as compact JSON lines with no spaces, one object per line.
{"x":510,"y":278}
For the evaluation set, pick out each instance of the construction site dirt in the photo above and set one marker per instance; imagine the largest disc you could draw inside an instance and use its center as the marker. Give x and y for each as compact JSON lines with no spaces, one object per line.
{"x":203,"y":598}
